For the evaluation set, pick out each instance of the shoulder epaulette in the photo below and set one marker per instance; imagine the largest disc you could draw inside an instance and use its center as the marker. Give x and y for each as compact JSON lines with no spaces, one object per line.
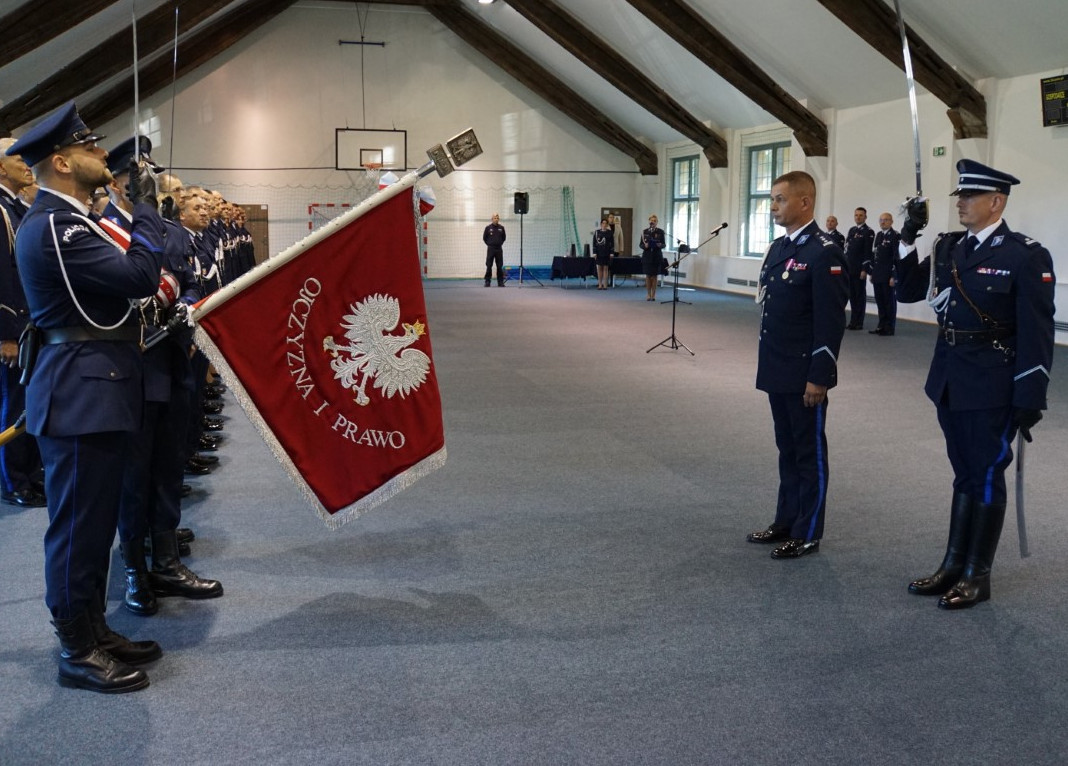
{"x":1026,"y":240}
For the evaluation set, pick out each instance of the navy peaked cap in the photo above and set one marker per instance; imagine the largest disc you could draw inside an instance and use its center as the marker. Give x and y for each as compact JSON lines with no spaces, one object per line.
{"x":64,"y":127}
{"x":119,"y":157}
{"x":976,"y":178}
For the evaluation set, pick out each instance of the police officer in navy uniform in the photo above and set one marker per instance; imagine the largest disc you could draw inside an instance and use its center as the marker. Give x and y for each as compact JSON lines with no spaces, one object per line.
{"x":804,"y":285}
{"x":152,"y":485}
{"x":832,"y":231}
{"x":494,"y":236}
{"x":20,"y":461}
{"x":882,"y":268}
{"x":85,"y":398}
{"x":859,"y":242}
{"x":991,"y":365}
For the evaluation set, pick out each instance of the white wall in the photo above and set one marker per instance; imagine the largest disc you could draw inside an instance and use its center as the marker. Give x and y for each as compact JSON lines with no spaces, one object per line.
{"x":258,"y":123}
{"x":871,"y":164}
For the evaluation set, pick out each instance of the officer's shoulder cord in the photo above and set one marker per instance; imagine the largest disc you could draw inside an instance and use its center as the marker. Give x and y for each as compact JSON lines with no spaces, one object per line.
{"x":10,"y":229}
{"x":66,"y":280}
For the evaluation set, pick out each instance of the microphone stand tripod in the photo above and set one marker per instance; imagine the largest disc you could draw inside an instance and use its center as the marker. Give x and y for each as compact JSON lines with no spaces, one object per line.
{"x":672,"y":341}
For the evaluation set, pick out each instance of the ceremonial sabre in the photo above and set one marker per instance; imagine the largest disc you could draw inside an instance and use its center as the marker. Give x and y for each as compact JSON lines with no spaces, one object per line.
{"x":1021,"y":521}
{"x":918,"y":199}
{"x":912,"y":96}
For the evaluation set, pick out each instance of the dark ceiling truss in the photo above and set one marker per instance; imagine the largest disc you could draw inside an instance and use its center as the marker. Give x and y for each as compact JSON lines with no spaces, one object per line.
{"x":875,"y":23}
{"x":155,"y":31}
{"x":534,"y":76}
{"x":687,"y":27}
{"x":196,"y":49}
{"x":592,"y":51}
{"x":35,"y":22}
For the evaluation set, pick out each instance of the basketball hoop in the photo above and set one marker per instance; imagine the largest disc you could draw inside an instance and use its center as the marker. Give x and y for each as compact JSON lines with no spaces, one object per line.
{"x":373,"y":171}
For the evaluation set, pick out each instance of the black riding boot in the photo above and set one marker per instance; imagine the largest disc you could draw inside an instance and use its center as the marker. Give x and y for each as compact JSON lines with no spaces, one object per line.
{"x":974,"y":585}
{"x":84,"y":665}
{"x":170,"y":577}
{"x":120,"y":647}
{"x":956,"y":551}
{"x":139,"y":597}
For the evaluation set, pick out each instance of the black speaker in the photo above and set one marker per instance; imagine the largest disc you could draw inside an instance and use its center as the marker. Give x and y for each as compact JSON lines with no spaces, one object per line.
{"x":522,"y":203}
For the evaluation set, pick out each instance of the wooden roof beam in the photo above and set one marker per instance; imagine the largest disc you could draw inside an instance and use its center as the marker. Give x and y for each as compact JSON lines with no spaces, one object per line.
{"x":592,"y":51}
{"x":876,"y":23}
{"x":699,"y":37}
{"x":154,"y":31}
{"x":198,"y":49}
{"x":34,"y":23}
{"x":537,"y":78}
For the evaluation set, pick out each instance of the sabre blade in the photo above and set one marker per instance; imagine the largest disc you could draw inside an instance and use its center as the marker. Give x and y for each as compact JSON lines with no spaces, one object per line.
{"x":910,"y":80}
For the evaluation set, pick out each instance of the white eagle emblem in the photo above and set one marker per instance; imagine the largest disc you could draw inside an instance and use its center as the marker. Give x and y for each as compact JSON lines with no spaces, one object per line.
{"x":374,"y":354}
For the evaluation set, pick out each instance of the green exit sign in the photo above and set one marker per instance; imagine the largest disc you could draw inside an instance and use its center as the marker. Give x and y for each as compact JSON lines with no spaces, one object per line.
{"x":940,"y":151}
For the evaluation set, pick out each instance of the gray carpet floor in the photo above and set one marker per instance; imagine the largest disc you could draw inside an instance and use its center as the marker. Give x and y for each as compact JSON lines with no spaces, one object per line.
{"x":574,"y":586}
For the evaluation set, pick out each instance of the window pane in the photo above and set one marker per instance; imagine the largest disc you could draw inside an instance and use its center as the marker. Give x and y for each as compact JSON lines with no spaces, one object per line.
{"x":759,"y":226}
{"x":685,"y":185}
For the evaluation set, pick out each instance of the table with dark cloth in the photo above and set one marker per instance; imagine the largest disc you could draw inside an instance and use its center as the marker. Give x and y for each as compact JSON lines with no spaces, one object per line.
{"x":572,"y":268}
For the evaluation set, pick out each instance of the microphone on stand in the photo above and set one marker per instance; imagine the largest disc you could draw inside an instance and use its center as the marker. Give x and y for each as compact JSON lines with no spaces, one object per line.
{"x":718,"y":229}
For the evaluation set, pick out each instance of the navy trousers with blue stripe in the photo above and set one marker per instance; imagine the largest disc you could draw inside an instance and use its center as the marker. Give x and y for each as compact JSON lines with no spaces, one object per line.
{"x":979,"y":445}
{"x":801,"y":438}
{"x":83,"y":480}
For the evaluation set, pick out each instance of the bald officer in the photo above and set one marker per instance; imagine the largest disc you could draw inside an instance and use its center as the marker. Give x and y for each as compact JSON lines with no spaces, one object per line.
{"x":990,"y":371}
{"x":804,"y":285}
{"x":84,"y":399}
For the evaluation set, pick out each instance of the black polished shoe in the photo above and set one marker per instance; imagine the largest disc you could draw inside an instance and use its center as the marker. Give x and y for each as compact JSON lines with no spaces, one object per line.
{"x":212,"y":424}
{"x":886,"y":333}
{"x":27,"y":498}
{"x":119,"y":646}
{"x":211,"y":407}
{"x":207,"y":443}
{"x":196,"y":469}
{"x":795,"y":549}
{"x":769,"y":535}
{"x":84,"y":665}
{"x":876,"y":331}
{"x":209,"y":460}
{"x":854,"y":327}
{"x":967,"y":593}
{"x":937,"y":584}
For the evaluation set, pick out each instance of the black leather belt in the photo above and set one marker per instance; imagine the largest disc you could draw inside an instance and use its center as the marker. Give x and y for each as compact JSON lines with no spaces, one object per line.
{"x":970,"y":337}
{"x":126,"y":334}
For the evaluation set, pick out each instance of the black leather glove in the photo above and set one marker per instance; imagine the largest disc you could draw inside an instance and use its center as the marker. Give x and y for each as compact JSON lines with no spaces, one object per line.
{"x":917,"y":215}
{"x":169,"y":209}
{"x":1025,"y":420}
{"x":142,"y":186}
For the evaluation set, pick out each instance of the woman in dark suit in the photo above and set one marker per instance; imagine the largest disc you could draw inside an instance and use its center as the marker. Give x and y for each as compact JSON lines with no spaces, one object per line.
{"x":603,"y":247}
{"x":652,"y":256}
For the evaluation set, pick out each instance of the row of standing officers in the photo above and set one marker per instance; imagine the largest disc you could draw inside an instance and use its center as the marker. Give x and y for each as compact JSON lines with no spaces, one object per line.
{"x":112,"y":382}
{"x":992,"y":290}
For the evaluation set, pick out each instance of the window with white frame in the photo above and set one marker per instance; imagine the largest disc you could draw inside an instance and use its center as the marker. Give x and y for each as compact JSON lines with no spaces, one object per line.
{"x":765,"y":163}
{"x":685,"y":196}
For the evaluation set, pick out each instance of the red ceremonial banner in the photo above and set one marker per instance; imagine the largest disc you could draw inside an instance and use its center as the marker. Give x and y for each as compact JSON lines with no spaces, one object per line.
{"x":327,"y":348}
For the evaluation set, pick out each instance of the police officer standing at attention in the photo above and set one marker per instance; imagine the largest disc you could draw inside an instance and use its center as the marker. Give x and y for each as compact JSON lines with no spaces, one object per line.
{"x":152,"y":484}
{"x":803,"y":290}
{"x":988,"y":378}
{"x":833,"y":233}
{"x":20,"y":461}
{"x":881,"y":268}
{"x":84,"y":399}
{"x":858,"y":246}
{"x":494,"y":237}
